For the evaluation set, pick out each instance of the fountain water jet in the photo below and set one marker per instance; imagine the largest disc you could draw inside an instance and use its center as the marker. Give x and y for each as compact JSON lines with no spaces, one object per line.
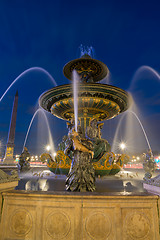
{"x":118,"y":127}
{"x":75,"y":96}
{"x":86,"y":51}
{"x":49,"y":132}
{"x":149,"y":146}
{"x":25,"y":72}
{"x":140,"y":71}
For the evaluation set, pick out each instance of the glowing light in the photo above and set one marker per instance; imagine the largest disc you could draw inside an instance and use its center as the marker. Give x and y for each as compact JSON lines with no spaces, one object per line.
{"x":54,"y":154}
{"x":122,"y":146}
{"x":48,"y":147}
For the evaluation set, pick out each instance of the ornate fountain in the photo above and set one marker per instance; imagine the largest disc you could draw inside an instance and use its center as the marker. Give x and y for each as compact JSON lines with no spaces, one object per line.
{"x":83,"y":153}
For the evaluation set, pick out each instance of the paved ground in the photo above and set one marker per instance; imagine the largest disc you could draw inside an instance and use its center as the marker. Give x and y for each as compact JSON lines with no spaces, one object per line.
{"x":125,"y":182}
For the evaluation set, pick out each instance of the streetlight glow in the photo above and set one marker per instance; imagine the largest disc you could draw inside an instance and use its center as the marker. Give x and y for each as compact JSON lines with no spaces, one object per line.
{"x":48,"y":147}
{"x":122,"y":146}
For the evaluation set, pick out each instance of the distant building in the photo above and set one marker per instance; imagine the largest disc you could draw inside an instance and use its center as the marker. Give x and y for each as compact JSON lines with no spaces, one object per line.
{"x":8,"y":159}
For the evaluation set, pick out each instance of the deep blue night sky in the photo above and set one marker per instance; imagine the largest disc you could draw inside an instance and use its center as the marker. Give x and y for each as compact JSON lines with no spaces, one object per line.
{"x":125,"y":36}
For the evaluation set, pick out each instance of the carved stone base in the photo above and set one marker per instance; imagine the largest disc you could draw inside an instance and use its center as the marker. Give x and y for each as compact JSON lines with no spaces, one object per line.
{"x":4,"y":187}
{"x":75,"y":216}
{"x":81,"y":177}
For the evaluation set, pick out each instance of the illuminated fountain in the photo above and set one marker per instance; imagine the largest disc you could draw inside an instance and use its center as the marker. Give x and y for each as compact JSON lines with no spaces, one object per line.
{"x":84,"y":147}
{"x":82,"y":154}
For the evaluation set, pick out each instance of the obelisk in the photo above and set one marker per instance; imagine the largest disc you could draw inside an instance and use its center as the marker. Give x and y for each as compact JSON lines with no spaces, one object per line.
{"x":8,"y":159}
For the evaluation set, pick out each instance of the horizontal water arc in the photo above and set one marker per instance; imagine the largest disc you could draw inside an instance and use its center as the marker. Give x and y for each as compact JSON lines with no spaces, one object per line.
{"x":50,"y":137}
{"x":139,"y":71}
{"x":130,"y":111}
{"x":25,"y":72}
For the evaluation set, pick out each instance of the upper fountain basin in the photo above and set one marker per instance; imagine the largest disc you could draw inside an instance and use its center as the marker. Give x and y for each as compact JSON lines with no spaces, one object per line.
{"x":88,"y":69}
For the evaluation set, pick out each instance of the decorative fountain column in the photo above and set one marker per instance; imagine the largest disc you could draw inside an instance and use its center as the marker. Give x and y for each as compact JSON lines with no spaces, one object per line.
{"x":96,"y":102}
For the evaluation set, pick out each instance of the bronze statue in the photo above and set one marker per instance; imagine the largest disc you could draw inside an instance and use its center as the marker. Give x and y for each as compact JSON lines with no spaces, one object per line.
{"x":81,"y":176}
{"x":149,"y":165}
{"x":24,"y":160}
{"x":100,"y":146}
